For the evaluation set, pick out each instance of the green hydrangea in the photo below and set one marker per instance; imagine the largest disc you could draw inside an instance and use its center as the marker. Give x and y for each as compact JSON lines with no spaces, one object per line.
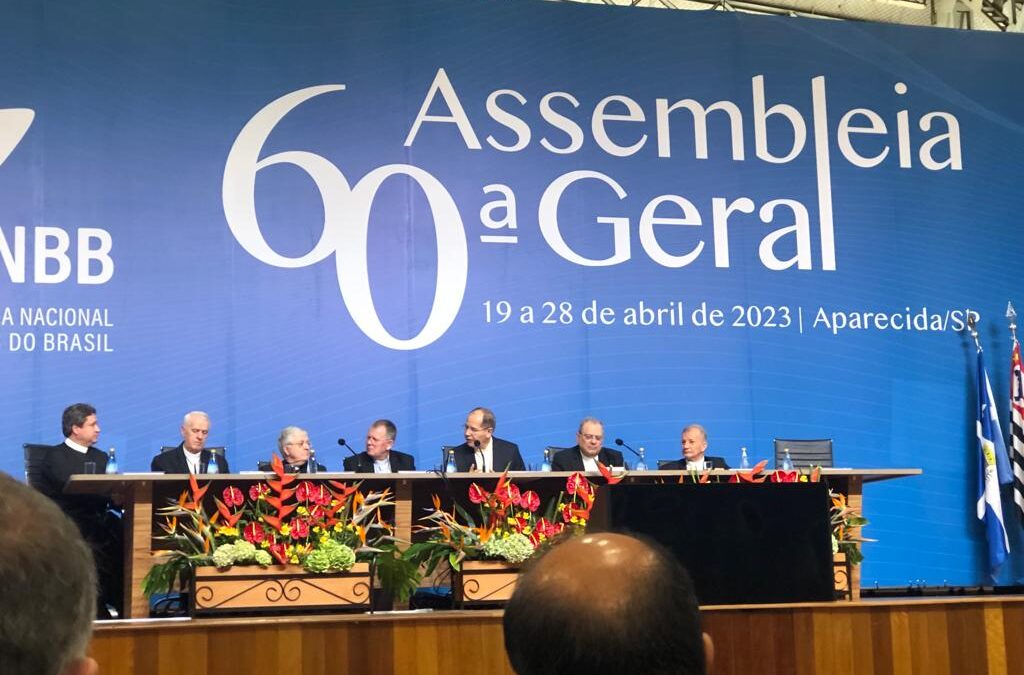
{"x":244,"y":552}
{"x":516,"y":548}
{"x":341,"y":556}
{"x":317,"y":562}
{"x":224,"y":556}
{"x":262,"y":558}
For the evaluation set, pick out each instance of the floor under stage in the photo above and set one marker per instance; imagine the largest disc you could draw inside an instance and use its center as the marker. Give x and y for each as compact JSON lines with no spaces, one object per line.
{"x":961,"y":636}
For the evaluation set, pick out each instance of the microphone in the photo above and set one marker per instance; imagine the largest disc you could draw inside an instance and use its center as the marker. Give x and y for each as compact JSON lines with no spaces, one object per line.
{"x":342,"y":443}
{"x":620,"y":443}
{"x":475,"y":444}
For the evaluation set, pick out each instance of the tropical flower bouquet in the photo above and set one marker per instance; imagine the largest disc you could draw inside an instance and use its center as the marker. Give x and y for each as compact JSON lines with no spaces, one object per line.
{"x":509,"y":526}
{"x":324,"y":526}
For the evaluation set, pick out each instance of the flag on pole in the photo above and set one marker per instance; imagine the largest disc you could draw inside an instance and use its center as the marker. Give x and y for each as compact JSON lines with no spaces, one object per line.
{"x":990,"y":447}
{"x":1017,"y":428}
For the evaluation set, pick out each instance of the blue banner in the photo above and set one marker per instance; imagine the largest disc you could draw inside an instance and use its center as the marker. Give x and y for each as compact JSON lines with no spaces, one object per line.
{"x":769,"y":226}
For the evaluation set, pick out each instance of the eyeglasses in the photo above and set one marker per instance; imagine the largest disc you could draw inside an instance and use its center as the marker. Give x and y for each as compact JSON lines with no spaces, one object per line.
{"x":475,"y":430}
{"x":592,"y":437}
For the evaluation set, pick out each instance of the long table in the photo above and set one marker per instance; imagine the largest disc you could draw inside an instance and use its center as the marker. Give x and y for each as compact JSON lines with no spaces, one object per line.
{"x":138,"y":493}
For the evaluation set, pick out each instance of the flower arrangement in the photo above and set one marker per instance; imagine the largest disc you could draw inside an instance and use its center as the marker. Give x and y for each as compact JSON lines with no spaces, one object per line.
{"x":508,"y":526}
{"x":322,"y":526}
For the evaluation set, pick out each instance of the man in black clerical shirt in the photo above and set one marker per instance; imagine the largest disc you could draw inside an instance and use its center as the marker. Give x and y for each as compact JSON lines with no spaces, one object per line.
{"x":588,"y":450}
{"x":190,"y":456}
{"x":380,"y":455}
{"x":100,"y":526}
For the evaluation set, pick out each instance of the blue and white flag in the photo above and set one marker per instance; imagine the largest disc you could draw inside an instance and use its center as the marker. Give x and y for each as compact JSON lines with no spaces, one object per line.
{"x":990,"y":475}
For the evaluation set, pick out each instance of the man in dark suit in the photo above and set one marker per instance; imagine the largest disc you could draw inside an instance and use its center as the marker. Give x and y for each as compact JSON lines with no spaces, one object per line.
{"x":190,"y":456}
{"x":296,"y":451}
{"x":482,"y":451}
{"x":380,"y":455}
{"x":695,"y":445}
{"x":100,"y":527}
{"x":588,"y":451}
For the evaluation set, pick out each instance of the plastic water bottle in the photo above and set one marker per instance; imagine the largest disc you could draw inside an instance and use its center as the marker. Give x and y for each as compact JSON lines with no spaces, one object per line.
{"x":449,"y":467}
{"x":111,"y":462}
{"x":641,"y":464}
{"x":211,"y":466}
{"x":787,"y":461}
{"x":311,"y":462}
{"x":546,"y":464}
{"x":744,"y":460}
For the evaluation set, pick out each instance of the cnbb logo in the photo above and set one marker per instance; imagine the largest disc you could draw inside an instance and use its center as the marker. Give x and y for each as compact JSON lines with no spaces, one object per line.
{"x":346,"y":222}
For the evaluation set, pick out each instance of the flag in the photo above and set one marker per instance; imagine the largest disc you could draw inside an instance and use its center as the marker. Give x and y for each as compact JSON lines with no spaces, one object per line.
{"x":990,"y":447}
{"x":1017,"y":428}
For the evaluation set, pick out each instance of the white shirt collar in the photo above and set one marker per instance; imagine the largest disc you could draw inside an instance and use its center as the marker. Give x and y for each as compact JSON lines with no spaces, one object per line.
{"x":192,"y":459}
{"x":382,"y":465}
{"x":589,"y":463}
{"x":77,"y":447}
{"x":486,"y":453}
{"x":696,"y":464}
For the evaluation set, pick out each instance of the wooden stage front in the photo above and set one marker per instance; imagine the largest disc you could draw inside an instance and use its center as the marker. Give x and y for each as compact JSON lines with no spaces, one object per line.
{"x":961,"y":636}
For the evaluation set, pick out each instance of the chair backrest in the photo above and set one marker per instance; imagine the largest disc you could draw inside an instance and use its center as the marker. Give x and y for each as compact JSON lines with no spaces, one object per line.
{"x":35,"y":456}
{"x":663,"y":462}
{"x":264,"y":466}
{"x":805,"y":452}
{"x":445,"y":449}
{"x":217,"y":449}
{"x":554,"y":449}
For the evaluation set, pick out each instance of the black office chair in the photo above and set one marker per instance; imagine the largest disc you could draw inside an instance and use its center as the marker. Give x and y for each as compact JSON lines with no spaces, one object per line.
{"x":662,"y":463}
{"x":553,"y":450}
{"x":35,"y":457}
{"x":217,"y":449}
{"x":805,"y":452}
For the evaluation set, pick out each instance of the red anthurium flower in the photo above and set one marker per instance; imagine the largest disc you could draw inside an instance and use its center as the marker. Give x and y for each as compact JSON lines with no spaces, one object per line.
{"x":254,"y":533}
{"x":299,"y":528}
{"x":321,"y":495}
{"x":507,"y":494}
{"x":779,"y":476}
{"x":477,"y":494}
{"x":305,"y":491}
{"x":233,"y":496}
{"x":529,"y":500}
{"x":258,"y":489}
{"x":575,"y":482}
{"x":521,"y":524}
{"x":567,"y":513}
{"x":278,"y":551}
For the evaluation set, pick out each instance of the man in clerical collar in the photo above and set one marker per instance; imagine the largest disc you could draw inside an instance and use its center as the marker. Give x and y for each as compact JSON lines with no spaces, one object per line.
{"x":483,"y":451}
{"x":191,"y":456}
{"x":695,"y":444}
{"x":91,"y":513}
{"x":380,"y":455}
{"x":296,"y":450}
{"x":588,"y":451}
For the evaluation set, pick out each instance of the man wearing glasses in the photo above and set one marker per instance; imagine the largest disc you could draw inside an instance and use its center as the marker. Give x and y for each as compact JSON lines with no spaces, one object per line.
{"x":588,"y":450}
{"x":482,"y":451}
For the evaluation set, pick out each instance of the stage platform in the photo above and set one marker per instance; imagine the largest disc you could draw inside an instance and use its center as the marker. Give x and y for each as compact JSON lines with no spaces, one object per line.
{"x":954,"y":636}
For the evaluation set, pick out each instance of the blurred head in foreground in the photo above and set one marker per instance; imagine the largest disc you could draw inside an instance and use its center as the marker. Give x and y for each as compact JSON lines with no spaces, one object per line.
{"x":606,"y":603}
{"x":47,"y":587}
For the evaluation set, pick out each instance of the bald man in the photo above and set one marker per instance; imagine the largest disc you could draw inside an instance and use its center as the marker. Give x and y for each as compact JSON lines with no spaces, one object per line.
{"x":606,"y":604}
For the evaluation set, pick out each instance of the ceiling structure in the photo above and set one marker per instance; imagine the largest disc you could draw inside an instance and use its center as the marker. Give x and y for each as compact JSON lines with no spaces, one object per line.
{"x":989,"y":15}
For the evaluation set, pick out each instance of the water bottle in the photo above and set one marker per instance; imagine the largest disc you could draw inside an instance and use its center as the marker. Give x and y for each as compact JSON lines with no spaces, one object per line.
{"x":111,"y":462}
{"x":744,"y":460}
{"x":211,"y":466}
{"x":787,"y":461}
{"x":311,"y":462}
{"x":450,"y":466}
{"x":546,"y":464}
{"x":641,"y":465}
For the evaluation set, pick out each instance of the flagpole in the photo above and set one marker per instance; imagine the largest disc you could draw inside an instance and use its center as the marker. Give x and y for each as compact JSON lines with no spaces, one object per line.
{"x":972,"y":326}
{"x":1011,"y":316}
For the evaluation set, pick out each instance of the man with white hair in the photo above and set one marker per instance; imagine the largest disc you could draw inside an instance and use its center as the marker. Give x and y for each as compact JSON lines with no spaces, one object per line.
{"x":47,"y":587}
{"x":191,"y":456}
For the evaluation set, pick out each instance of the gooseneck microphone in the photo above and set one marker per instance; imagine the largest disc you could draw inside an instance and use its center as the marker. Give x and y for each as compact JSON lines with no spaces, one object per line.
{"x":342,"y":443}
{"x":621,"y":443}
